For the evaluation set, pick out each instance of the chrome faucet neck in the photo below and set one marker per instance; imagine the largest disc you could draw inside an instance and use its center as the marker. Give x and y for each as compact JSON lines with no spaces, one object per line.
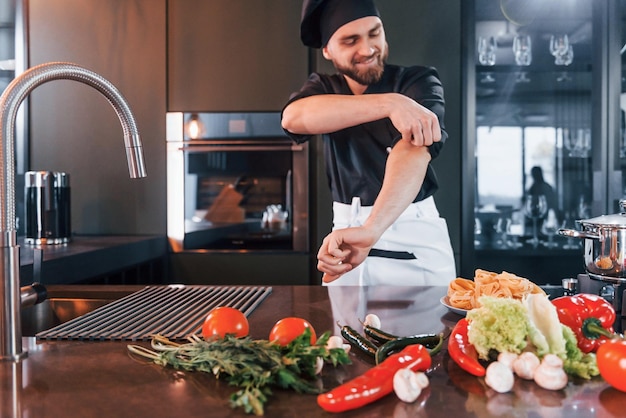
{"x":10,"y":101}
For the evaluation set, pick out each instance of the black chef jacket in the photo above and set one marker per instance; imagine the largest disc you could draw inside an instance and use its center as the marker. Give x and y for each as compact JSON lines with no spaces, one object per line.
{"x":356,"y":156}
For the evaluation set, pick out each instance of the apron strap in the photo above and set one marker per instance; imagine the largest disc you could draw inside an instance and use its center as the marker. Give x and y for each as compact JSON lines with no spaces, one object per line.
{"x":396,"y":255}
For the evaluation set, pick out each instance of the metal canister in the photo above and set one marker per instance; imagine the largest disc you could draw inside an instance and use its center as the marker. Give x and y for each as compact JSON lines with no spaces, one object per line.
{"x":48,"y":211}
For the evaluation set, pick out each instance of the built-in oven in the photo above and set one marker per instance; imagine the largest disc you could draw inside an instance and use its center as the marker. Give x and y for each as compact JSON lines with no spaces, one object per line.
{"x":235,"y":182}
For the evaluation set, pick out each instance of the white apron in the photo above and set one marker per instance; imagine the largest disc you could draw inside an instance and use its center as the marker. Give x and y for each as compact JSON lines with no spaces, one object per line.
{"x":419,"y":237}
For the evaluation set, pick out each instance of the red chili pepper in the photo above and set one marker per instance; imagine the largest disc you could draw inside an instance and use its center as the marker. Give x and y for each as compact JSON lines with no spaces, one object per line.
{"x":462,"y":352}
{"x":589,"y":316}
{"x":375,"y":383}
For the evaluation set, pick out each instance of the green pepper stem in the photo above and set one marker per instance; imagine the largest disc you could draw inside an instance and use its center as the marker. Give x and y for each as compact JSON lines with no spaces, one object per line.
{"x":592,"y":329}
{"x":436,"y":348}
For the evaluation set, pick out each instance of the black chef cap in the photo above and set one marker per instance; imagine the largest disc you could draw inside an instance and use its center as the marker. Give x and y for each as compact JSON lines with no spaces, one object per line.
{"x":321,"y":18}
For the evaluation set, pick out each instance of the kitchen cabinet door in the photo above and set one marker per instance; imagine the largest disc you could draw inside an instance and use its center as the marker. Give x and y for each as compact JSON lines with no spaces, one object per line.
{"x":234,"y":55}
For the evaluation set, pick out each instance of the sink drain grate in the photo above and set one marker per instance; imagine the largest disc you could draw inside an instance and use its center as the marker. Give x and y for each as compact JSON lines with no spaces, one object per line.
{"x":172,"y":311}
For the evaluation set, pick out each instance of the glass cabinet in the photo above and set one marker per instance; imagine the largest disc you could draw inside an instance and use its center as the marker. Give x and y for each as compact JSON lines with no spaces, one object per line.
{"x":545,"y":142}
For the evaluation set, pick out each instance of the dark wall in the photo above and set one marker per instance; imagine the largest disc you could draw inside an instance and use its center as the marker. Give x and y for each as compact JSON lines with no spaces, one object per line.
{"x":74,"y":129}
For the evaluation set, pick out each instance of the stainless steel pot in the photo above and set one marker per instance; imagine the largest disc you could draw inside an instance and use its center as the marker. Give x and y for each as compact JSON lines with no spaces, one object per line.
{"x":605,"y":245}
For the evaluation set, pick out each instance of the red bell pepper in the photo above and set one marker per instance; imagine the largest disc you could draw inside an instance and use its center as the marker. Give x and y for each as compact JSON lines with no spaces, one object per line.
{"x":375,"y":383}
{"x":462,"y":352}
{"x":590,"y":317}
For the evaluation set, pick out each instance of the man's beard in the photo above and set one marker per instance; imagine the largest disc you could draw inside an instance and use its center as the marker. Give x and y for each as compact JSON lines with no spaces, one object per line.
{"x":367,"y":77}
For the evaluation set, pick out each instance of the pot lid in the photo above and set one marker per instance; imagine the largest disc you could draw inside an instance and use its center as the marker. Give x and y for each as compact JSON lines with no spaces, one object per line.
{"x":618,"y":219}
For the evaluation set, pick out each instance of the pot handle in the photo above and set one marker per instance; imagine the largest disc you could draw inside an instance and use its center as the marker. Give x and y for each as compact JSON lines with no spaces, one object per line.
{"x":572,"y":233}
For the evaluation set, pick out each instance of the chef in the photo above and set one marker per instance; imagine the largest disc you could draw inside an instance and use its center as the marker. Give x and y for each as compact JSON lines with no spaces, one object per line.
{"x":381,"y":125}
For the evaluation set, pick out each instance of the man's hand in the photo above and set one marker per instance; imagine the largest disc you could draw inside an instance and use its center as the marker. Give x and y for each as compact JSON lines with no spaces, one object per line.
{"x":344,"y":249}
{"x":415,"y":123}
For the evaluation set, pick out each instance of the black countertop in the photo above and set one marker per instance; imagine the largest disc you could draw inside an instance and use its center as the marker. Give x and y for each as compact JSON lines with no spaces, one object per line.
{"x":100,"y":378}
{"x":88,"y":256}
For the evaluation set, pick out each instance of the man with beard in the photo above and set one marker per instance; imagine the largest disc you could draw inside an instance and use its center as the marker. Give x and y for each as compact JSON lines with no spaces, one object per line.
{"x":381,"y":125}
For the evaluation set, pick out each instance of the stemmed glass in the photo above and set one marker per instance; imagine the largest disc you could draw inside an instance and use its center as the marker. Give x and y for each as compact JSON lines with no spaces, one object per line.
{"x":478,"y":230}
{"x":502,"y":229}
{"x":515,"y":230}
{"x":535,"y":207}
{"x":550,"y":228}
{"x":487,"y":50}
{"x":522,"y":49}
{"x":559,"y":44}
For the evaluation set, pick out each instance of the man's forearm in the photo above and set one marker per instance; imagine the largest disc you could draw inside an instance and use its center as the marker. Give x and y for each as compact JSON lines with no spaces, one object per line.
{"x":332,"y":112}
{"x":404,"y":176}
{"x":327,"y":113}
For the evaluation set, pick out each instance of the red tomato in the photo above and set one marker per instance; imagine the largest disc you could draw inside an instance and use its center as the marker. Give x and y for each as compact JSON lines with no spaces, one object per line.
{"x":225,"y":320}
{"x":611,"y":357}
{"x":288,"y":329}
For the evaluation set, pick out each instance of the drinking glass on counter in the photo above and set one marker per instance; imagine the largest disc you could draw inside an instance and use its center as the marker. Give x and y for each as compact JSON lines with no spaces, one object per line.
{"x":478,"y":231}
{"x":515,"y":230}
{"x":535,"y":207}
{"x":502,"y":232}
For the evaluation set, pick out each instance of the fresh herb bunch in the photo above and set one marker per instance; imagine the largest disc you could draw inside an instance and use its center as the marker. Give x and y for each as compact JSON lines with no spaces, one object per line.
{"x":252,"y":365}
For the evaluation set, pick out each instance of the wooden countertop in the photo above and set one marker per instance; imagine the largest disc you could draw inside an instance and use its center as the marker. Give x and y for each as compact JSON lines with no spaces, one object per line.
{"x":101,"y":379}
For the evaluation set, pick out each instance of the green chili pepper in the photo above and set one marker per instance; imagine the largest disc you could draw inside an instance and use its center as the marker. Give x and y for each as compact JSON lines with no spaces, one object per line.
{"x":432,"y":342}
{"x":358,"y":341}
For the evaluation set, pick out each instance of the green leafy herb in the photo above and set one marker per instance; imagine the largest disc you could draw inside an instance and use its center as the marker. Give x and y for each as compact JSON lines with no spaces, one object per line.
{"x":254,"y":366}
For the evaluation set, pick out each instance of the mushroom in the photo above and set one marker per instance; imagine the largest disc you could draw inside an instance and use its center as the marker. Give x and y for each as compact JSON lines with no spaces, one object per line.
{"x":550,"y":374}
{"x":499,"y":377}
{"x":336,"y":341}
{"x":408,"y":384}
{"x":372,"y":320}
{"x":525,"y":365}
{"x":319,"y":365}
{"x":507,"y":358}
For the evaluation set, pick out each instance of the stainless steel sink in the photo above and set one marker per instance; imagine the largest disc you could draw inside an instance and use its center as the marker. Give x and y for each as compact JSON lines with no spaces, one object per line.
{"x":56,"y":311}
{"x":132,"y":314}
{"x":66,"y":302}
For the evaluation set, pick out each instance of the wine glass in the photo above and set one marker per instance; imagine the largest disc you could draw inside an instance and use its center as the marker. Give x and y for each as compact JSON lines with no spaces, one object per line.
{"x":522,"y":49}
{"x":565,"y":59}
{"x":478,"y":230}
{"x":515,"y":230}
{"x":487,"y":50}
{"x":550,"y":228}
{"x":559,"y":45}
{"x":535,"y":207}
{"x":502,"y":229}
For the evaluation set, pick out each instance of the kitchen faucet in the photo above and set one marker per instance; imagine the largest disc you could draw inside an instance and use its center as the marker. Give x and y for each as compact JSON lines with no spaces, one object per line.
{"x":12,"y":97}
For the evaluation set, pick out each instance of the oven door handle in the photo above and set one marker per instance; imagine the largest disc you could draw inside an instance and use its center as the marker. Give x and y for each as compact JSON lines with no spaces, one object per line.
{"x":205,"y":148}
